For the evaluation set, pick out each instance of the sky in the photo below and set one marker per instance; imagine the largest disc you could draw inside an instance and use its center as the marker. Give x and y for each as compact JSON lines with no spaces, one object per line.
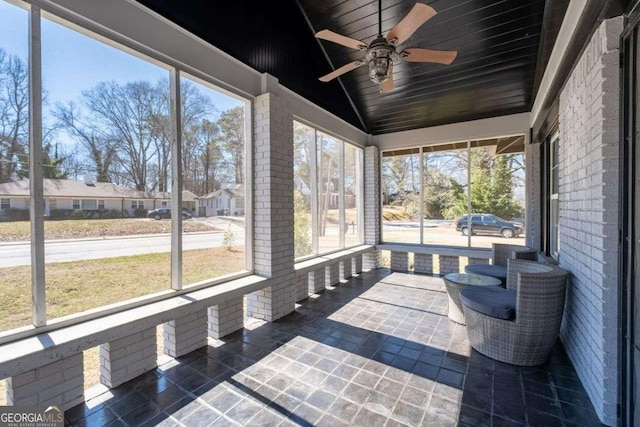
{"x":73,"y":62}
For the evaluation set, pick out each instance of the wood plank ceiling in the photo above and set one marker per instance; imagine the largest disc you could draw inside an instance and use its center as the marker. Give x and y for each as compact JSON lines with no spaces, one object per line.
{"x":494,"y":74}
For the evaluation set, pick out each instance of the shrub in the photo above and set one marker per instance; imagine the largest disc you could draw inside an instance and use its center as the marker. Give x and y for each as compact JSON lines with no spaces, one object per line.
{"x":140,"y":213}
{"x":229,"y":238}
{"x":14,"y":214}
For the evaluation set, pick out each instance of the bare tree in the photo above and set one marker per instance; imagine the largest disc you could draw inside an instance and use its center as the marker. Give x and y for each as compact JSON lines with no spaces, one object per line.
{"x":14,"y":116}
{"x":231,"y":140}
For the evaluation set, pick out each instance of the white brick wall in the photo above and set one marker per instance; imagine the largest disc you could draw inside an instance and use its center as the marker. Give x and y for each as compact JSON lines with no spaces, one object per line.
{"x":332,"y":274}
{"x":533,"y":182}
{"x":273,"y":208}
{"x":588,"y":164}
{"x":345,"y":269}
{"x":316,"y":281}
{"x":228,"y":317}
{"x":371,"y":195}
{"x":183,"y":335}
{"x":58,"y":383}
{"x":449,"y":264}
{"x":128,"y":357}
{"x":302,"y":286}
{"x":423,"y":263}
{"x":399,"y":261}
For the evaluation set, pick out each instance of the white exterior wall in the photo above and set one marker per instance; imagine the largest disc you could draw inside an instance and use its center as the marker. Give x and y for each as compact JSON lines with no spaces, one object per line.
{"x":588,"y":172}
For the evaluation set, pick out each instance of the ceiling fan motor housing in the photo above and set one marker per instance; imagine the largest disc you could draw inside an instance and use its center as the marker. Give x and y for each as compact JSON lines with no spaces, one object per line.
{"x":380,"y":57}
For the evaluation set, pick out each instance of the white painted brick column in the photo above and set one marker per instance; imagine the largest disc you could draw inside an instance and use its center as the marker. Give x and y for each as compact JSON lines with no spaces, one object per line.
{"x":356,"y":264}
{"x":302,"y":286}
{"x":59,"y":383}
{"x":423,"y":263}
{"x":332,"y":274}
{"x":372,"y":205}
{"x":345,"y":269}
{"x":128,"y":357}
{"x":449,"y":264}
{"x":273,"y":250}
{"x":228,"y":317}
{"x":589,"y":205}
{"x":186,"y":334}
{"x":316,"y":281}
{"x":399,"y":261}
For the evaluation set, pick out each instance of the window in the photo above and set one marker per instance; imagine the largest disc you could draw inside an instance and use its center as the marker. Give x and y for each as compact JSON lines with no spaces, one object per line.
{"x":5,"y":203}
{"x":213,"y":161}
{"x":84,"y":128}
{"x":89,"y":205}
{"x":327,"y":192}
{"x":554,"y":202}
{"x":458,"y":194}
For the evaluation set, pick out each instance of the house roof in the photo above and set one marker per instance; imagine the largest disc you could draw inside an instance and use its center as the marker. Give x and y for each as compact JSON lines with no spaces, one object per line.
{"x":70,"y":188}
{"x":233,"y":190}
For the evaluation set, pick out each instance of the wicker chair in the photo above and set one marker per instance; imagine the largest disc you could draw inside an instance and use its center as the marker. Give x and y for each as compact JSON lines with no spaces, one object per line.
{"x":500,"y":253}
{"x":527,"y":339}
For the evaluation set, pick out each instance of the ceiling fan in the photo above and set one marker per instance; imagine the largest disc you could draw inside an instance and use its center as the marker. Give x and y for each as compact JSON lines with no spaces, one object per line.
{"x":382,"y":53}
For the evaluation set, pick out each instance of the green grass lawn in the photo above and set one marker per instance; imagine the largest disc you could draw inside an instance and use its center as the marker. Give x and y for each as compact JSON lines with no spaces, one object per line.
{"x":73,"y":287}
{"x":75,"y":229}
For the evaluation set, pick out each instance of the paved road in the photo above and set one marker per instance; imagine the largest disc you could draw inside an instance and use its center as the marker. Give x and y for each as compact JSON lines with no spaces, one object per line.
{"x":12,"y":255}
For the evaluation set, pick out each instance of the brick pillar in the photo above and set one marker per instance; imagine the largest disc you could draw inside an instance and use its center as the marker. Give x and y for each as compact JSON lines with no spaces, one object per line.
{"x":399,"y":261}
{"x":332,"y":274}
{"x":345,"y":269}
{"x":372,"y":205}
{"x":449,"y":264}
{"x":273,"y":253}
{"x":371,"y":259}
{"x":423,"y":263}
{"x":316,"y":281}
{"x":59,"y":383}
{"x":302,"y":286}
{"x":186,"y":334}
{"x":228,"y":317}
{"x":356,"y":264}
{"x":128,"y":357}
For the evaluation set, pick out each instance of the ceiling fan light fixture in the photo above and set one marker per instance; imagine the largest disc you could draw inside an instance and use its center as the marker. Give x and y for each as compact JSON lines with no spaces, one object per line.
{"x":380,"y":61}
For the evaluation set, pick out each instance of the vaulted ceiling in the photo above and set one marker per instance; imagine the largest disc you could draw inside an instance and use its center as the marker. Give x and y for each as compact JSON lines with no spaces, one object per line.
{"x":499,"y":64}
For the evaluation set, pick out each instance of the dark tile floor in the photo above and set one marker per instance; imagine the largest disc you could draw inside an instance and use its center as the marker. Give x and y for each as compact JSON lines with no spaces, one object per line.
{"x":377,"y":350}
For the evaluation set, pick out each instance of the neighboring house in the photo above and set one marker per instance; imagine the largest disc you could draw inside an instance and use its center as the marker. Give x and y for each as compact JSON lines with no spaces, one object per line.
{"x":229,"y":200}
{"x":88,"y":195}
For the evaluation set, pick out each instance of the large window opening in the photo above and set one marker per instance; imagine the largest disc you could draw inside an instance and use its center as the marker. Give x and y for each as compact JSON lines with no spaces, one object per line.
{"x":328,"y":203}
{"x":466,"y":194}
{"x":109,"y":139}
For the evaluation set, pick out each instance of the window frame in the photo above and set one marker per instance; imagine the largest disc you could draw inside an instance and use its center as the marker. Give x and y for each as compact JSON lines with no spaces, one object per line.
{"x":422,"y":151}
{"x":553,"y":194}
{"x":36,"y":12}
{"x":315,"y":190}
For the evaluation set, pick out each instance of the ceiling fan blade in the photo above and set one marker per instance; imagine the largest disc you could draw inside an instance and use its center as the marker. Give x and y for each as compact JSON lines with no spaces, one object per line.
{"x":340,"y":71}
{"x":340,"y":39}
{"x":420,"y":14}
{"x":427,"y":55}
{"x":388,"y":85}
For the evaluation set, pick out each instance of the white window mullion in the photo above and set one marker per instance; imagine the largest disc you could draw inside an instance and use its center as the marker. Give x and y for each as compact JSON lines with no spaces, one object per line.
{"x":469,"y":194}
{"x":176,"y":180}
{"x":36,"y":207}
{"x":421,"y":210}
{"x":341,"y":201}
{"x":315,"y":223}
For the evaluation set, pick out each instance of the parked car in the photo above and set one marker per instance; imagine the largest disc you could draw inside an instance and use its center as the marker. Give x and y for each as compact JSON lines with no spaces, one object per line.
{"x":489,"y":224}
{"x":163,"y":213}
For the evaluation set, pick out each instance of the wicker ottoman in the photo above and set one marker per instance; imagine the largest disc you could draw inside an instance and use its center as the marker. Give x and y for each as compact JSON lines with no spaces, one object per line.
{"x":456,"y":281}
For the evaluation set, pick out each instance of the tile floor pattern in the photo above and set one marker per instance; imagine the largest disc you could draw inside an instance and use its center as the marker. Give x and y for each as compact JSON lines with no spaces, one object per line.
{"x":375,"y":351}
